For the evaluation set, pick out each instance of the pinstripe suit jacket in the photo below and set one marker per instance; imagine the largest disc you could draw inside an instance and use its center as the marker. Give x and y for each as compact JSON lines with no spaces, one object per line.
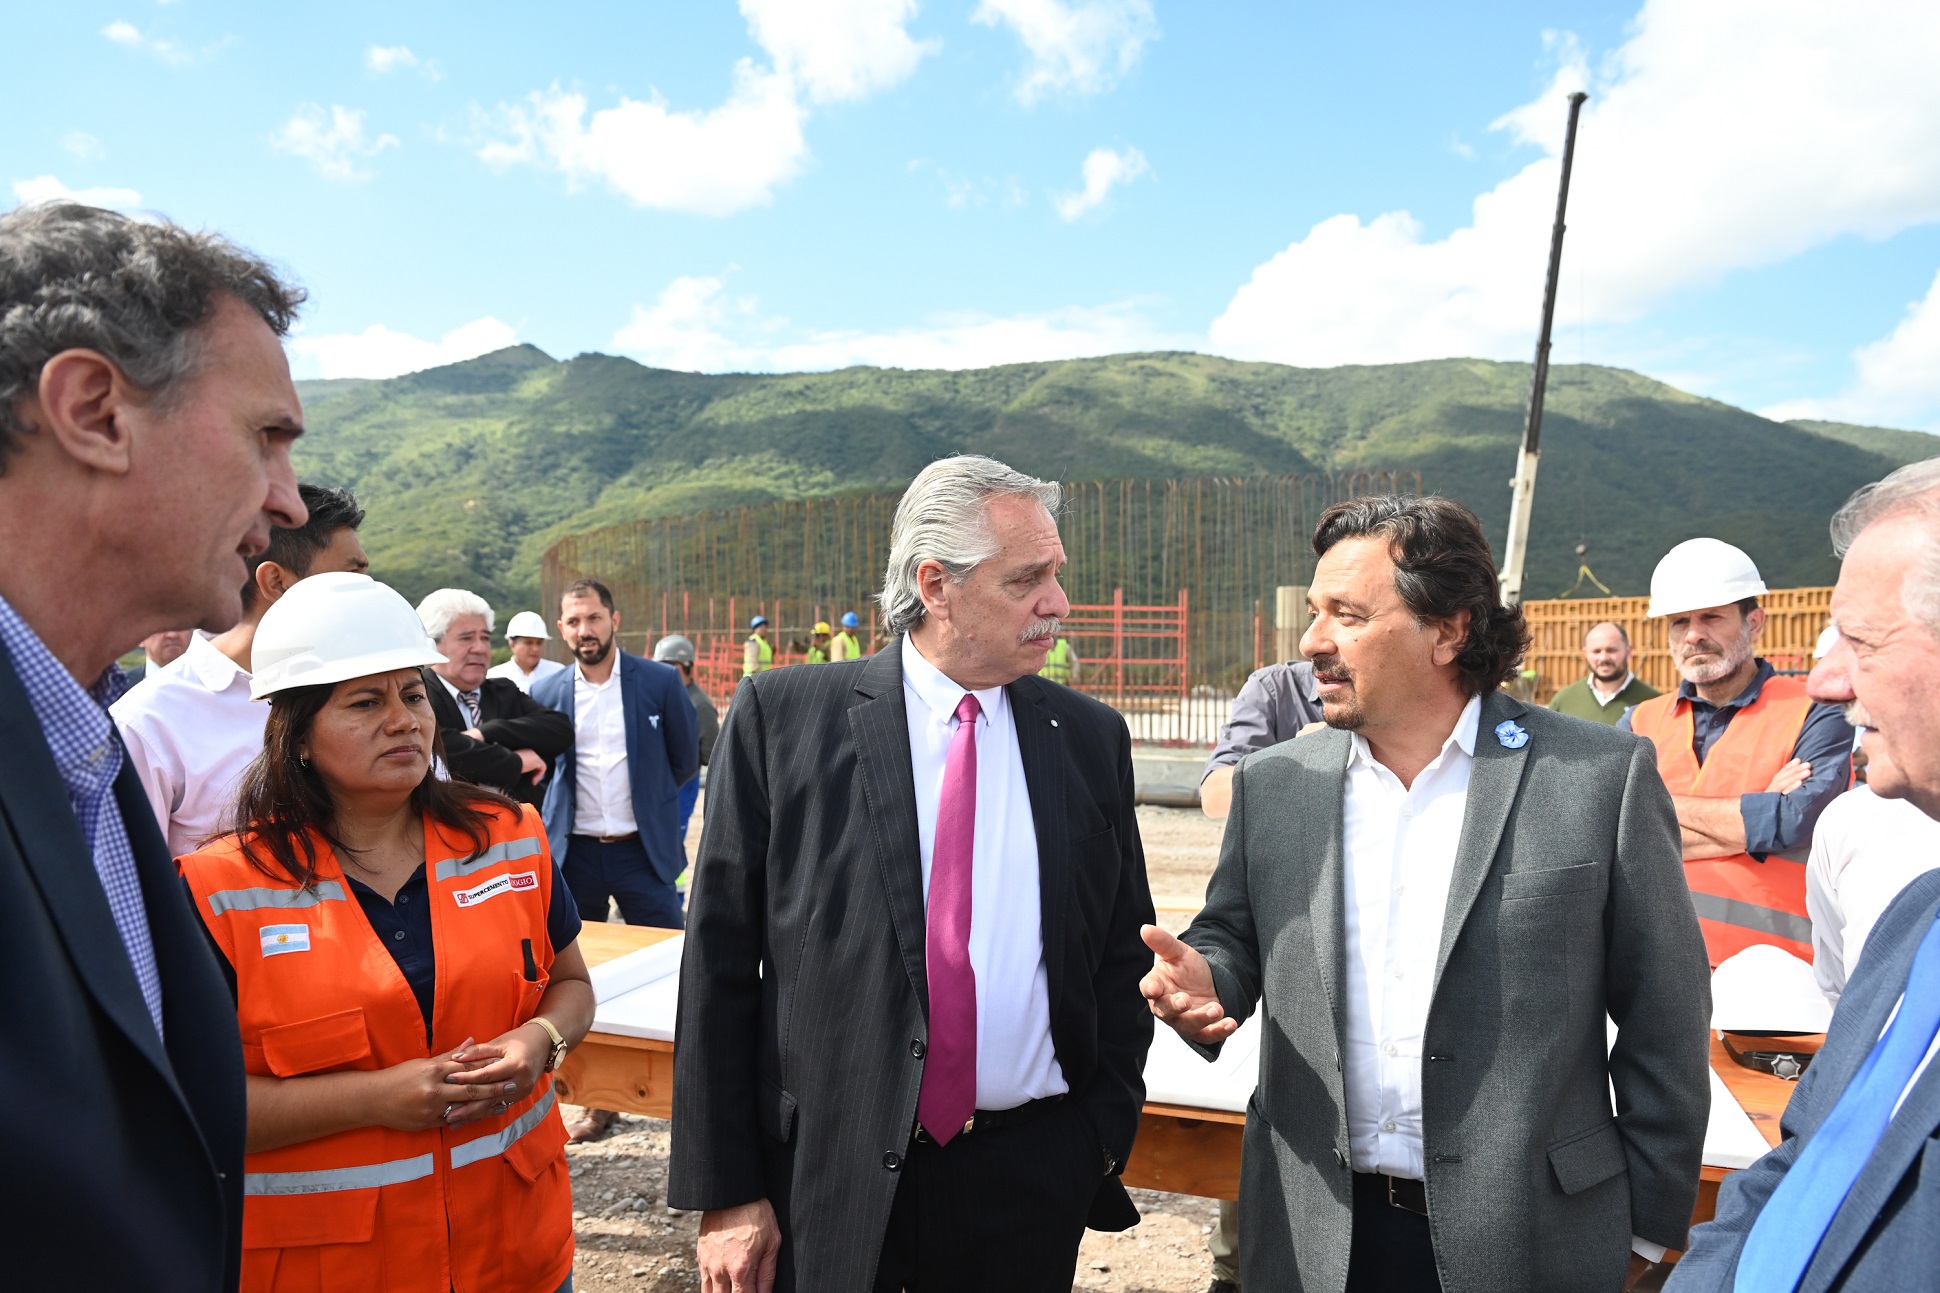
{"x":802,"y":988}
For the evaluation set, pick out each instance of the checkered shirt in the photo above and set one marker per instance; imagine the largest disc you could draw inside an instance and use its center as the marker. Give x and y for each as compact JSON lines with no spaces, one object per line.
{"x":88,"y":754}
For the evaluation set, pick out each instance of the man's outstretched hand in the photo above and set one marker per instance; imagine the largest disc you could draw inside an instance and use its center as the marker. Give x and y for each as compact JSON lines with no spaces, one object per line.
{"x":1180,"y":990}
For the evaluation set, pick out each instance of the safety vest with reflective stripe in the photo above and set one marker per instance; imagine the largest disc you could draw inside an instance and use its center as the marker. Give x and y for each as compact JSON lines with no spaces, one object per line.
{"x":758,"y":657}
{"x":482,"y":1208}
{"x":1740,"y":900}
{"x":1057,"y":663}
{"x":843,"y":647}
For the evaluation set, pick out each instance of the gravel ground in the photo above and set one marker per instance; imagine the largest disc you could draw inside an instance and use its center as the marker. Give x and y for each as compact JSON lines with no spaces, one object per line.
{"x":629,"y":1239}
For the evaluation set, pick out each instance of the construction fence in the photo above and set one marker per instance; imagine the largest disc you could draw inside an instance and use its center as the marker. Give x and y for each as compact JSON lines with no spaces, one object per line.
{"x":1173,"y":582}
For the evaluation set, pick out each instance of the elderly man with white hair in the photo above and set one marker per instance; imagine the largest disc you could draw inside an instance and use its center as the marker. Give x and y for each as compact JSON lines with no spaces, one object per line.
{"x":1848,"y":1200}
{"x":911,"y":1039}
{"x":495,"y":735}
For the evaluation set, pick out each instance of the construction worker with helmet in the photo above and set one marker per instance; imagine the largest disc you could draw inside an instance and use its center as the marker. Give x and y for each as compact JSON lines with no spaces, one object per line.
{"x":758,"y":655}
{"x":842,"y":645}
{"x":406,"y":973}
{"x":1061,"y":663}
{"x":526,"y":634}
{"x":818,"y":643}
{"x":1751,"y":760}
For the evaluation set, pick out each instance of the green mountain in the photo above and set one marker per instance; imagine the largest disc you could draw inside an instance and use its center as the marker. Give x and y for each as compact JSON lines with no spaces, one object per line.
{"x":470,"y":471}
{"x":1900,"y":447}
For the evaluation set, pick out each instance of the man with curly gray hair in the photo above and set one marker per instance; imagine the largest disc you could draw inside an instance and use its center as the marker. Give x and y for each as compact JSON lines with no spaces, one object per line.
{"x":146,"y":418}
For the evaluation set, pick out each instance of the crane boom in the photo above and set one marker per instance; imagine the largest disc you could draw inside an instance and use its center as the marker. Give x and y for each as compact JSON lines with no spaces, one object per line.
{"x":1522,"y":489}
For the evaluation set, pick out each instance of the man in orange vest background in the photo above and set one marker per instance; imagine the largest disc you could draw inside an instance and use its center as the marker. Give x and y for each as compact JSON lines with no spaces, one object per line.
{"x":1750,"y":759}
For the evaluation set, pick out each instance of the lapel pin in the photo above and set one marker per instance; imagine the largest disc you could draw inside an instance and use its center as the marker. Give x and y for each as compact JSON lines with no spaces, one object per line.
{"x":1511,"y":735}
{"x":1054,"y":722}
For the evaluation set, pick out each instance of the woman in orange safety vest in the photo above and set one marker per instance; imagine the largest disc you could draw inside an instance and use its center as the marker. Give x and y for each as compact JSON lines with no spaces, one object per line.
{"x":406,"y":976}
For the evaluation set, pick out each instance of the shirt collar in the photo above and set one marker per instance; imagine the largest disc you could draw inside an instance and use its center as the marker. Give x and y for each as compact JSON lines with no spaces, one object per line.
{"x":580,"y":678}
{"x":939,"y":694}
{"x":214,"y":670}
{"x":74,"y":719}
{"x":1467,"y":724}
{"x":1687,"y":690}
{"x":1628,"y":678}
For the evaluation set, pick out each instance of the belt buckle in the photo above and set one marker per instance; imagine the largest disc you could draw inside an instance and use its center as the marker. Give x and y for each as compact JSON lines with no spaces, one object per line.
{"x":1394,"y":1202}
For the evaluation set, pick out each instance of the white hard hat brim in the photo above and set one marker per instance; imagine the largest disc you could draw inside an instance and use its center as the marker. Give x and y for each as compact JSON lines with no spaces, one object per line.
{"x":297,"y":672}
{"x":1720,"y":595}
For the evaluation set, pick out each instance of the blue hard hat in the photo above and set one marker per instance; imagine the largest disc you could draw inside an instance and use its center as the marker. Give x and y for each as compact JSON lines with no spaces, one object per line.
{"x":849,"y":620}
{"x":757,"y":621}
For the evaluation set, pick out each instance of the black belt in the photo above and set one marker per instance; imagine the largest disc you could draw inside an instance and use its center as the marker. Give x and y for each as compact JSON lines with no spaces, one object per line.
{"x":994,"y":1119}
{"x":1401,"y":1191}
{"x":609,"y":839}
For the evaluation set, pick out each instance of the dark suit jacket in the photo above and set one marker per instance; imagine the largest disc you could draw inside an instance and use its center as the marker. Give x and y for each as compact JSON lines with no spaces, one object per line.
{"x":663,"y":753}
{"x":1567,"y":903}
{"x":124,"y":1156}
{"x":1886,"y":1237}
{"x":803,"y":995}
{"x":510,"y":721}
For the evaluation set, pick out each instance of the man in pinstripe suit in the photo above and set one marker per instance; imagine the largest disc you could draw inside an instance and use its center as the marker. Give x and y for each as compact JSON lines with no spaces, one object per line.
{"x":910,"y":1029}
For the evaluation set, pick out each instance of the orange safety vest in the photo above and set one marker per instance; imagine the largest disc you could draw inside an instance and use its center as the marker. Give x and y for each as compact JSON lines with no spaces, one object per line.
{"x":1740,"y":900}
{"x":482,"y":1208}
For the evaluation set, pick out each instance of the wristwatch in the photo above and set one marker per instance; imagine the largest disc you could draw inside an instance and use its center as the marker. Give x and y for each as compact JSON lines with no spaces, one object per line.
{"x":558,"y":1042}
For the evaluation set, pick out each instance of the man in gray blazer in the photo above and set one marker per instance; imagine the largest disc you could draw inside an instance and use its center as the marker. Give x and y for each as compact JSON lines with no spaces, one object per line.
{"x":1438,"y":901}
{"x":1850,"y":1199}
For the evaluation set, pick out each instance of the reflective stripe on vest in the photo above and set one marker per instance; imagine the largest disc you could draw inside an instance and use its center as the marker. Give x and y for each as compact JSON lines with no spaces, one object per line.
{"x":1740,"y":901}
{"x":503,"y":1139}
{"x":280,"y":899}
{"x":509,"y":851}
{"x":330,"y":1180}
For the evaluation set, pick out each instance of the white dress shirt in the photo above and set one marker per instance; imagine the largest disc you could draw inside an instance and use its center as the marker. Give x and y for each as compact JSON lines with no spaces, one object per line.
{"x":510,"y":669}
{"x":1605,"y":697}
{"x":191,"y":730}
{"x":1399,"y":847}
{"x":1016,"y":1061}
{"x":1864,"y":851}
{"x":602,"y":790}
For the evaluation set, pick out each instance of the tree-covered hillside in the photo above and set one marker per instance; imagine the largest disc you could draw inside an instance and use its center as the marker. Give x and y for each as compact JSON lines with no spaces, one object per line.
{"x":470,"y":471}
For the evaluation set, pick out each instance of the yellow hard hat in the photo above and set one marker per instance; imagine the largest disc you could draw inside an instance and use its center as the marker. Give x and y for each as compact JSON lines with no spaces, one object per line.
{"x":822,"y":626}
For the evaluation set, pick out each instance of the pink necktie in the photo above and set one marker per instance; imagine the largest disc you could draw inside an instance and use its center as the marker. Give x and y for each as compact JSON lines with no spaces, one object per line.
{"x":948,"y":1098}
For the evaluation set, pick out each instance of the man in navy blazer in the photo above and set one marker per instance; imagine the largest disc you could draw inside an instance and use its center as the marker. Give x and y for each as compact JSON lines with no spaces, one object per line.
{"x":613,"y":810}
{"x":146,"y":416}
{"x":1862,"y":1209}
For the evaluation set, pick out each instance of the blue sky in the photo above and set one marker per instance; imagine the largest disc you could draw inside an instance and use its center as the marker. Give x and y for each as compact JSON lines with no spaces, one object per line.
{"x":811,"y":183}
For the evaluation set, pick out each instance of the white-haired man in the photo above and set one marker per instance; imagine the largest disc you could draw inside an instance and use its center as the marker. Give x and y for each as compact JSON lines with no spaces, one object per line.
{"x":1848,"y":1200}
{"x":495,"y":735}
{"x":911,"y":1036}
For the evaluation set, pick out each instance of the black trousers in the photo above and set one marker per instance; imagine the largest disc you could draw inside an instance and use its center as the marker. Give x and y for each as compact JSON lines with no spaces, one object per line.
{"x":620,"y":870}
{"x":1392,"y":1250}
{"x":993,"y":1210}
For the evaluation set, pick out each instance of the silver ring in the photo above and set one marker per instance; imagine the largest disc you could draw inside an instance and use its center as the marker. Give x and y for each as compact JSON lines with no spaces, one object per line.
{"x":503,"y":1105}
{"x":447,"y":1112}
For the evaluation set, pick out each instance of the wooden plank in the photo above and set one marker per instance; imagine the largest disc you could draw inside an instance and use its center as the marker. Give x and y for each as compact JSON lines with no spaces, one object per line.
{"x":601,"y":942}
{"x":630,"y":1074}
{"x":1186,"y":1155}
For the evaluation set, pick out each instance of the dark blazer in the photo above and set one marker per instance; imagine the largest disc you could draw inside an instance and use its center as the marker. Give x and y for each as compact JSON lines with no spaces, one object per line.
{"x":124,"y":1156}
{"x":803,"y":995}
{"x":510,"y":721}
{"x":1568,"y":902}
{"x":1886,"y":1237}
{"x":663,"y":752}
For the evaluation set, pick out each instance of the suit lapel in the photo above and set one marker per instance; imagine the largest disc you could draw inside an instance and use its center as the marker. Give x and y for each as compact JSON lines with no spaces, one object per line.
{"x":1319,"y":809}
{"x":1039,"y":747}
{"x":1492,"y":785}
{"x":621,"y":668}
{"x":1905,"y":1137}
{"x":880,"y":728}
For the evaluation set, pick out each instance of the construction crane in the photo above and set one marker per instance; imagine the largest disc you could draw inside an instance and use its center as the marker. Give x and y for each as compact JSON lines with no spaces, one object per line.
{"x":1522,"y":490}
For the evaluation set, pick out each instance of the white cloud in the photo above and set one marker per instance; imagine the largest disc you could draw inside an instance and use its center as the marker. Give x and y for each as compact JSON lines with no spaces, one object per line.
{"x":385,"y":59}
{"x":45,"y":188}
{"x":716,"y":161}
{"x":129,"y":36}
{"x":1076,"y":46}
{"x":1104,"y":169}
{"x":1689,"y":166}
{"x":379,"y":351}
{"x":1897,"y":378}
{"x":334,"y":142}
{"x":696,"y":325}
{"x":80,"y":144}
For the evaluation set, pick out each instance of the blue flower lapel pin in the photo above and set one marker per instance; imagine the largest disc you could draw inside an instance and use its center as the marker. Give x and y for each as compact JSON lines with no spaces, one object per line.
{"x":1511,"y":735}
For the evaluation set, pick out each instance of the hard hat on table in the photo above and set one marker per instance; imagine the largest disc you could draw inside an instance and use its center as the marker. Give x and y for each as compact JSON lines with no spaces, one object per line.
{"x":822,"y":626}
{"x":527,"y":624}
{"x":332,"y":627}
{"x":849,"y":620}
{"x":1702,"y":572}
{"x":1764,"y":989}
{"x":674,"y":649}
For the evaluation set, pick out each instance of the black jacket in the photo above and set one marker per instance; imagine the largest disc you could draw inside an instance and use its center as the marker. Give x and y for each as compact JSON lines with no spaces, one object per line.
{"x":511,"y":721}
{"x":124,"y":1154}
{"x":803,"y":992}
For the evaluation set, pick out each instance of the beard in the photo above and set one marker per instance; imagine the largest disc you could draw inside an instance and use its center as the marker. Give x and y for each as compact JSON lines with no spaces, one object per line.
{"x":1342,"y":710}
{"x":1608,"y":672}
{"x":1724,"y":661}
{"x":592,"y":650}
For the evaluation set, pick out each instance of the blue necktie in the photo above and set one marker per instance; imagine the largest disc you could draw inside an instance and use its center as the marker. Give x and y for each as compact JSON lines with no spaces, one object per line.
{"x":1800,"y":1211}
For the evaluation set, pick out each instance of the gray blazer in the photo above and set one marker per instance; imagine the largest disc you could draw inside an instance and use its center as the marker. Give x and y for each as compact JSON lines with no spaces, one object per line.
{"x":1887,"y":1234}
{"x":1568,"y":902}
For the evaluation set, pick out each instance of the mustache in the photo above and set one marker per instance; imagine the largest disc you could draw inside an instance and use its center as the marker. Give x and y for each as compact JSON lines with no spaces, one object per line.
{"x":1699,"y":646}
{"x":1330,"y":668}
{"x":1857,"y":716}
{"x":1045,"y":628}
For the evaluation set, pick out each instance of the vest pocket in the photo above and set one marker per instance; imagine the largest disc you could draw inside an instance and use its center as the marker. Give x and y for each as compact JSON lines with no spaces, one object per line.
{"x":775,"y":1109}
{"x":302,"y":1244}
{"x":1588,"y":1158}
{"x":312,"y":1045}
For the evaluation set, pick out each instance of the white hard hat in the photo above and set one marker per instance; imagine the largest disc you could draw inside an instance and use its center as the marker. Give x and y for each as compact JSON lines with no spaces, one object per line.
{"x":1702,"y":572}
{"x":328,"y":628}
{"x":527,"y":624}
{"x":1828,"y":639}
{"x":1766,"y":990}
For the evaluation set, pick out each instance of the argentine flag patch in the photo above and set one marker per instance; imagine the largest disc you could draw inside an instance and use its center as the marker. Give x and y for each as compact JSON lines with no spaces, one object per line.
{"x":278,"y":939}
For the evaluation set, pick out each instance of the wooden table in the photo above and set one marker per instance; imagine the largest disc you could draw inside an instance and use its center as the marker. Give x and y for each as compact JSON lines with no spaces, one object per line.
{"x":1180,"y":1150}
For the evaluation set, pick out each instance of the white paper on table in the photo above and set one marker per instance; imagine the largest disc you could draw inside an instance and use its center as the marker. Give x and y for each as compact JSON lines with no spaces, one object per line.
{"x":638,"y":994}
{"x":1731,"y":1139}
{"x":1177,"y":1074}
